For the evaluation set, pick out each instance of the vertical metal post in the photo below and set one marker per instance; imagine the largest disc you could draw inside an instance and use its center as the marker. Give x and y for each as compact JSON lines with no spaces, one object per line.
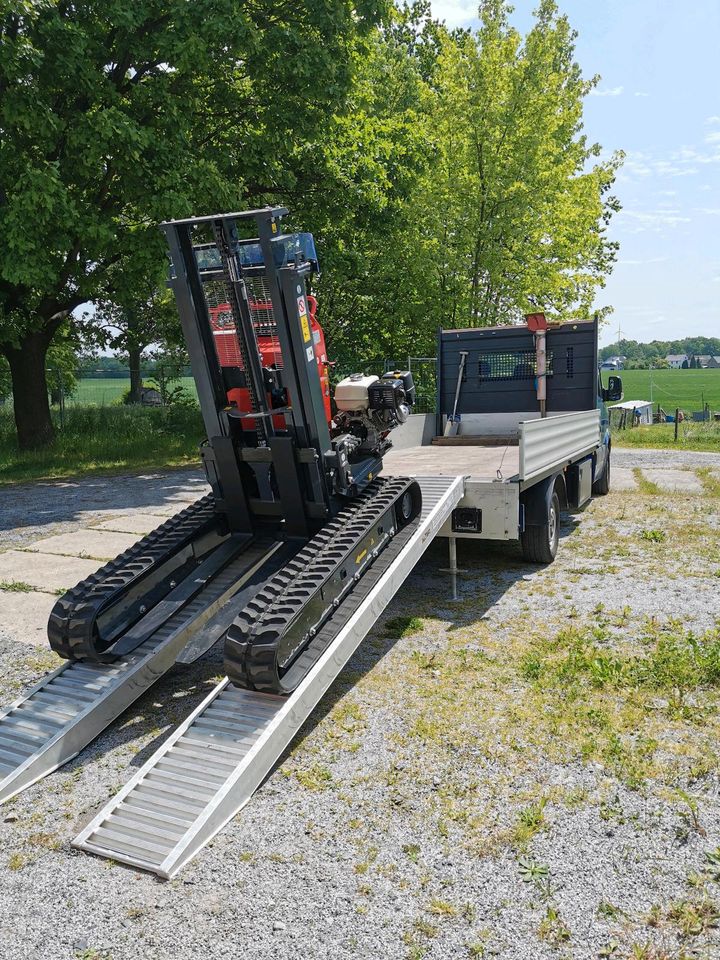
{"x":453,"y":567}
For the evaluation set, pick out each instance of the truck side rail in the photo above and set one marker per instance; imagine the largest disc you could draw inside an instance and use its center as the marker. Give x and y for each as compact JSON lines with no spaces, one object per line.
{"x":551,"y":443}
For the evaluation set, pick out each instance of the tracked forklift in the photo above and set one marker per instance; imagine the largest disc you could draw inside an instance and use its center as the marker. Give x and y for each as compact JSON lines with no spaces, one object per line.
{"x":297,"y":510}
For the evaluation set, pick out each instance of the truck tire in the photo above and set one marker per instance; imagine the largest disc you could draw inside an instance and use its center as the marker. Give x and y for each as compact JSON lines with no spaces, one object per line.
{"x":602,"y":484}
{"x":539,"y":542}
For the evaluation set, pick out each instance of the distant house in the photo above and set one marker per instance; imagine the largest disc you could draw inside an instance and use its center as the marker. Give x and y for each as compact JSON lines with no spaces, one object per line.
{"x":613,"y":363}
{"x":676,"y":360}
{"x":707,"y":362}
{"x":714,"y":363}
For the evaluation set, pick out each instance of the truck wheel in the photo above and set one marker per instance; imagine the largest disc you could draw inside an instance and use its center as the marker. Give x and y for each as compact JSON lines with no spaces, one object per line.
{"x":602,"y":484}
{"x":540,"y":543}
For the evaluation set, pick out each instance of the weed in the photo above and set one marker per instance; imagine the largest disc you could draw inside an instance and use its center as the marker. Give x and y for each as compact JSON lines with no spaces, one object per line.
{"x":399,"y":627}
{"x":530,"y":820}
{"x":314,"y":777}
{"x":441,"y":908}
{"x":425,"y":928}
{"x":16,"y":861}
{"x":690,"y":814}
{"x":712,"y":858}
{"x":644,"y":485}
{"x":16,"y":586}
{"x":653,"y":536}
{"x":693,"y":917}
{"x":609,"y":910}
{"x":552,"y":929}
{"x":412,"y":850}
{"x":709,"y":481}
{"x":49,"y":841}
{"x":531,"y":871}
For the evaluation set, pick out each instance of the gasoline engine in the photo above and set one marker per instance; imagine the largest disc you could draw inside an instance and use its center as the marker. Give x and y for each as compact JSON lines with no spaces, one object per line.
{"x":369,"y":407}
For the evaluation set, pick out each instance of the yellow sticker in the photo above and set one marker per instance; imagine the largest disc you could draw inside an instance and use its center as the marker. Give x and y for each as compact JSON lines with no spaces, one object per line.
{"x":359,"y":558}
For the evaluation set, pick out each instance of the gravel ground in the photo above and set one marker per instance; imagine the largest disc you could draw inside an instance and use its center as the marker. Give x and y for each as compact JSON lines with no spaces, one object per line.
{"x":452,"y":796}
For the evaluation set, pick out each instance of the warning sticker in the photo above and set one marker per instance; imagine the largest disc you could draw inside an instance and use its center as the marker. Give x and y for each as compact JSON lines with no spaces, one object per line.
{"x":302,"y":310}
{"x":310,"y":354}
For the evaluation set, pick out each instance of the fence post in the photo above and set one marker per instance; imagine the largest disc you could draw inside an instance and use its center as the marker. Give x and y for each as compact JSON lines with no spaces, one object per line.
{"x":677,"y":417}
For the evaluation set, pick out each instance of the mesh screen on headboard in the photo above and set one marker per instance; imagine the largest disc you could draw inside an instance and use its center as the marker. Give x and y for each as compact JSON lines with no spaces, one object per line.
{"x":500,"y":370}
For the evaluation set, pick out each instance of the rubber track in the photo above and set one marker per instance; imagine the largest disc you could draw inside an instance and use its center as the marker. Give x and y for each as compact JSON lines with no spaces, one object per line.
{"x":253,"y":639}
{"x":327,"y":633}
{"x":72,"y":625}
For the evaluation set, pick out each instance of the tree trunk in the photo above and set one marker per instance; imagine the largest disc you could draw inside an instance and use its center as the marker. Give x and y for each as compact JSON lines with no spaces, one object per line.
{"x":30,"y":392}
{"x":135,"y":378}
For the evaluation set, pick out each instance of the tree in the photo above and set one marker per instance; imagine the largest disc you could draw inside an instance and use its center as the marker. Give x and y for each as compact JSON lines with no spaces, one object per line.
{"x":511,"y":213}
{"x":116,"y":116}
{"x":356,"y":187}
{"x":131,"y":328}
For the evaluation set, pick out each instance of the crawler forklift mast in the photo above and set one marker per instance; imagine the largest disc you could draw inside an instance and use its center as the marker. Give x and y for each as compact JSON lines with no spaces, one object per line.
{"x":286,"y":476}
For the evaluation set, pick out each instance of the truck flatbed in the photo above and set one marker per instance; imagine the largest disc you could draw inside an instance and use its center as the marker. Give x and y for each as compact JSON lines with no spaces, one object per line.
{"x":478,"y":462}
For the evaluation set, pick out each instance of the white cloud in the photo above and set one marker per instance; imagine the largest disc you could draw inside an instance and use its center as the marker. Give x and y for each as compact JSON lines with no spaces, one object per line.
{"x":607,"y":92}
{"x":639,"y":263}
{"x":455,"y":13}
{"x":709,"y":211}
{"x":641,"y":93}
{"x":713,"y":137}
{"x":714,"y":119}
{"x":654,"y":219}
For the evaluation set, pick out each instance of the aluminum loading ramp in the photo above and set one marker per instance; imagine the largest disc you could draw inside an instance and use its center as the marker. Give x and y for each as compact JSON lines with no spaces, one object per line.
{"x":70,"y":707}
{"x":213,"y":763}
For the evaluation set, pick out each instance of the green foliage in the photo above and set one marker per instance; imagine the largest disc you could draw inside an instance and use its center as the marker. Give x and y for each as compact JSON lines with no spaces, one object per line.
{"x":514,"y":214}
{"x":656,"y":351}
{"x":116,"y":117}
{"x":445,"y":175}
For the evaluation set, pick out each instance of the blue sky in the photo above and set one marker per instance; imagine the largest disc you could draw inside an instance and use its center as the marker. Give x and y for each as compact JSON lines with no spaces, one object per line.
{"x":659,"y":101}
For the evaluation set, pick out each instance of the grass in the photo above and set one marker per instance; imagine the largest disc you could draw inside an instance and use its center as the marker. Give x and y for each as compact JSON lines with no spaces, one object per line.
{"x":96,"y":440}
{"x":101,"y":391}
{"x":686,"y":389}
{"x":691,"y":436}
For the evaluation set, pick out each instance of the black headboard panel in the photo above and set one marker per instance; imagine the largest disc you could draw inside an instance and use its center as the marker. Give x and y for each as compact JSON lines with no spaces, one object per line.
{"x":500,"y":369}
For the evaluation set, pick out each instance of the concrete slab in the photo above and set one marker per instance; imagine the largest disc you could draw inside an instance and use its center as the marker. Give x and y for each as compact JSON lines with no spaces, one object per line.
{"x":622,"y":478}
{"x":28,"y":612}
{"x":44,"y":571}
{"x":137,"y":523}
{"x":174,"y":506}
{"x":671,"y":480}
{"x":99,"y":544}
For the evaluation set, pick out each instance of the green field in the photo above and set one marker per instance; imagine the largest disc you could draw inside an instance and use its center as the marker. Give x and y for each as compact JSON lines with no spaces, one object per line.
{"x":686,"y":389}
{"x":103,"y":391}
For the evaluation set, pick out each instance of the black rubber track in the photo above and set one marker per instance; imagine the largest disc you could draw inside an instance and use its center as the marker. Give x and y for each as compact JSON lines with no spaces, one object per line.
{"x":72,"y":627}
{"x":254,"y":641}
